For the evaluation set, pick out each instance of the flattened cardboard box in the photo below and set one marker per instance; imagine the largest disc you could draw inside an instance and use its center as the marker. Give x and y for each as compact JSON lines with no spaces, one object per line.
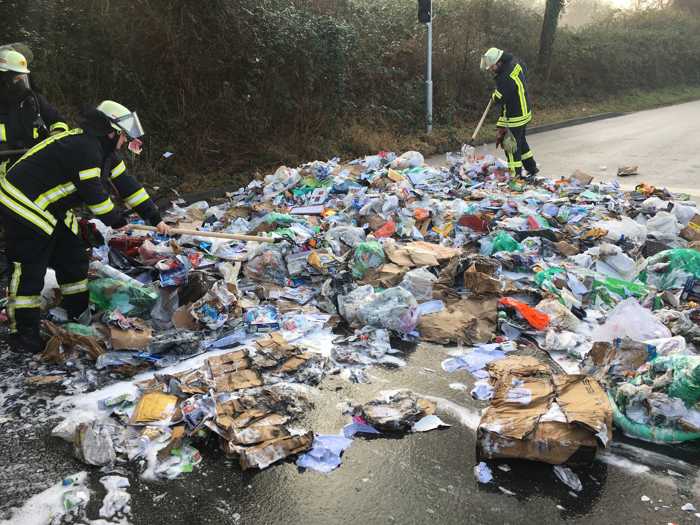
{"x":465,"y":320}
{"x":541,"y":416}
{"x":238,"y":380}
{"x":131,"y":339}
{"x":265,"y":454}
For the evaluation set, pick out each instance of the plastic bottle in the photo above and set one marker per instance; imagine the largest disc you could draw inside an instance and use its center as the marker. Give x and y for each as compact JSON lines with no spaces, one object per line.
{"x":107,"y":271}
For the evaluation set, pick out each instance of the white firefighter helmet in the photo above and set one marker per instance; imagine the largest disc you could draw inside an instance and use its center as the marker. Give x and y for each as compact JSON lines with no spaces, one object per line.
{"x":491,"y":57}
{"x":121,"y":118}
{"x":11,"y":60}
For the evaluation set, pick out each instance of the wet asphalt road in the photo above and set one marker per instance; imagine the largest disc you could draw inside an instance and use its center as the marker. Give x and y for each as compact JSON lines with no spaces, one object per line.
{"x":420,"y":478}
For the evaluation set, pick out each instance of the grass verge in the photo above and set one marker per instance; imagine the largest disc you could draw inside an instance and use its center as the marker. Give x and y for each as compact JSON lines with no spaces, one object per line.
{"x":362,"y":138}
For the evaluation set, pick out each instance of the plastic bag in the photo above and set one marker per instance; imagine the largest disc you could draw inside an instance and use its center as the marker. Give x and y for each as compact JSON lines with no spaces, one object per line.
{"x":394,"y":309}
{"x":283,"y":179}
{"x":420,"y":283}
{"x":113,"y":294}
{"x":560,"y":316}
{"x":686,"y":376}
{"x":269,"y":266}
{"x":632,"y":320}
{"x":627,"y":228}
{"x":663,"y":225}
{"x":619,"y":288}
{"x":535,"y":318}
{"x":681,"y":258}
{"x":343,"y":238}
{"x":410,"y":159}
{"x":503,"y":242}
{"x":368,"y":255}
{"x":349,"y":305}
{"x":671,"y":268}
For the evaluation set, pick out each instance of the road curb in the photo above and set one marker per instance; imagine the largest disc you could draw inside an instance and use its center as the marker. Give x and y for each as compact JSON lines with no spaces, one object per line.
{"x":573,"y":122}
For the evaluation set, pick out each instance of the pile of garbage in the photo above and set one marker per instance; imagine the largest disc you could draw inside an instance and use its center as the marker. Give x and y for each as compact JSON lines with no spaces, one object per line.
{"x":576,"y":300}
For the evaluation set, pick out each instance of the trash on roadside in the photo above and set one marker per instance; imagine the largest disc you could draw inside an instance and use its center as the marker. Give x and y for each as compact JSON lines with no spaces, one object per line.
{"x":542,"y":416}
{"x":367,"y":259}
{"x":397,"y":413}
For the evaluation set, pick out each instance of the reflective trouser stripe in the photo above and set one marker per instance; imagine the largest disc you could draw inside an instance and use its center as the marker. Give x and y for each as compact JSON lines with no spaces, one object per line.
{"x":71,"y":221}
{"x":527,"y":155}
{"x":12,"y":293}
{"x":512,"y":163}
{"x":74,"y":288}
{"x":136,"y":198}
{"x":3,"y":133}
{"x":26,"y":301}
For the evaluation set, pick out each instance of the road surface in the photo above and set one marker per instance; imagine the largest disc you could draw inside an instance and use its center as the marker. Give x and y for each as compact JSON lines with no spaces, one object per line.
{"x":662,"y":142}
{"x":421,"y":478}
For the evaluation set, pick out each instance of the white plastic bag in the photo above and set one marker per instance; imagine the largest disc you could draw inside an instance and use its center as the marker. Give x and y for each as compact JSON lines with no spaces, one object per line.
{"x":664,"y":225}
{"x":630,"y":319}
{"x":420,"y":283}
{"x":410,"y":159}
{"x":631,"y":230}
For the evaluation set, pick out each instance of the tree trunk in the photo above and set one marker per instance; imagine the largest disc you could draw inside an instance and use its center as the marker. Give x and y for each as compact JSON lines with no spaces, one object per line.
{"x":549,"y":30}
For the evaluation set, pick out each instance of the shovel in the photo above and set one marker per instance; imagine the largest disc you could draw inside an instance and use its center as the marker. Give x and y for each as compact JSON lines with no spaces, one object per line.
{"x":218,"y":235}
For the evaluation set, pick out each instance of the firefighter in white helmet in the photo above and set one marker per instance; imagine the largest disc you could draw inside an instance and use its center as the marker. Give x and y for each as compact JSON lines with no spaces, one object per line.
{"x":26,"y":117}
{"x":515,"y":112}
{"x":70,"y":169}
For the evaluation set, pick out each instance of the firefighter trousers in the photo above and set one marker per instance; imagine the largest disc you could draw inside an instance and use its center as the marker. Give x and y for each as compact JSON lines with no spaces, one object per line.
{"x":522,"y":156}
{"x":29,"y":254}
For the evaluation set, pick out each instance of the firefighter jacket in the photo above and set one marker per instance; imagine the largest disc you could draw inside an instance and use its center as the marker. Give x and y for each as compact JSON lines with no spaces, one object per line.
{"x":65,"y":171}
{"x":511,"y":95}
{"x":26,"y":120}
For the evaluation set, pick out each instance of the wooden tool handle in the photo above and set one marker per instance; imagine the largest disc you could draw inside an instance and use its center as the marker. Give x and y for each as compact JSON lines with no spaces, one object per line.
{"x":218,"y":235}
{"x":481,"y":122}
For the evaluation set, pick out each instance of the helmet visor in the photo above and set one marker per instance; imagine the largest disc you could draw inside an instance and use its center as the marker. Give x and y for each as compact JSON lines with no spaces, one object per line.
{"x":22,"y":80}
{"x":130,"y":124}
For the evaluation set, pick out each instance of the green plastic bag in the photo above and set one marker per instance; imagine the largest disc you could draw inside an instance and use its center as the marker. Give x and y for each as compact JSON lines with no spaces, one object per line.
{"x":81,"y":329}
{"x":686,"y":376}
{"x":504,"y":242}
{"x":611,"y":290}
{"x":368,"y":255}
{"x":681,"y":263}
{"x":112,"y":294}
{"x":682,"y":258}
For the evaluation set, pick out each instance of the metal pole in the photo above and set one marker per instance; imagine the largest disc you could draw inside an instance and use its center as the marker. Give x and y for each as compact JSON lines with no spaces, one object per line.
{"x":429,"y":80}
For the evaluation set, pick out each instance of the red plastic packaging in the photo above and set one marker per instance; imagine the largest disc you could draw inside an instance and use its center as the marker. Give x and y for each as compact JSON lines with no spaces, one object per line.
{"x":538,"y":320}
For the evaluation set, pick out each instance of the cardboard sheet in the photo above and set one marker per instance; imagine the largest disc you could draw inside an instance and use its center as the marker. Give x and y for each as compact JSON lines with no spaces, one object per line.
{"x":541,"y":416}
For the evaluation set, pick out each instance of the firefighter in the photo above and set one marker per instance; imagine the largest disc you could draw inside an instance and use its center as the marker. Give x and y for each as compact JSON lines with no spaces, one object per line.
{"x":26,"y":118}
{"x":64,"y":171}
{"x":515,"y":110}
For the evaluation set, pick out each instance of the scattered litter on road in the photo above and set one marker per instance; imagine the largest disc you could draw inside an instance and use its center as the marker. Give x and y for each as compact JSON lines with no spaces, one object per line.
{"x":483,"y":473}
{"x":568,"y":477}
{"x":576,"y":303}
